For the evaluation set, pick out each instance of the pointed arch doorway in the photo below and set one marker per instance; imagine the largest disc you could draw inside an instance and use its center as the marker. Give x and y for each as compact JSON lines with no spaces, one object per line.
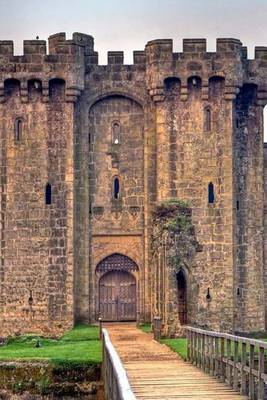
{"x":117,"y":288}
{"x":182,"y":297}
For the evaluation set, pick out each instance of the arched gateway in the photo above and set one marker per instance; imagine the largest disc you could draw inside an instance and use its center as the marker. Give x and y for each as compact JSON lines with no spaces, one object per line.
{"x":117,"y":288}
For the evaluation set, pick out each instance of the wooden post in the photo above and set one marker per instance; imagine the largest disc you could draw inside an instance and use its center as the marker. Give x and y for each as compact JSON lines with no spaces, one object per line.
{"x":199,"y":350}
{"x":260,"y":372}
{"x":203,"y":352}
{"x":251,"y":391}
{"x":216,"y":370}
{"x":228,"y":366}
{"x":195,"y":348}
{"x":243,"y":388}
{"x":157,"y":328}
{"x":212,"y":355}
{"x":100,"y":327}
{"x":188,"y":345}
{"x":235,"y":380}
{"x":207,"y":354}
{"x":222,"y":361}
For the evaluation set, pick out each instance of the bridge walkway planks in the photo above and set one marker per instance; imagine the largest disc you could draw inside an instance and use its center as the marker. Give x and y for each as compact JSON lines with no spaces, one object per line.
{"x":156,"y":372}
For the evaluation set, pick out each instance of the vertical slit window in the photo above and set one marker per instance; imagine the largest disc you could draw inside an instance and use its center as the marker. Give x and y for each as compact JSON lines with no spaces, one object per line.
{"x":211,"y":196}
{"x":207,"y":120}
{"x":116,"y":133}
{"x":48,"y":194}
{"x":116,"y":188}
{"x":18,"y":130}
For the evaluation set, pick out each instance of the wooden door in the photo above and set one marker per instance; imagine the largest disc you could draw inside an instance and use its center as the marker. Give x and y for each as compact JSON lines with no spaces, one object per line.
{"x":182,"y":298}
{"x":117,"y":296}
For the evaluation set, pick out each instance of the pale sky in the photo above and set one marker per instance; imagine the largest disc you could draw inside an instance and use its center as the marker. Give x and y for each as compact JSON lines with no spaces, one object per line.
{"x":128,"y":24}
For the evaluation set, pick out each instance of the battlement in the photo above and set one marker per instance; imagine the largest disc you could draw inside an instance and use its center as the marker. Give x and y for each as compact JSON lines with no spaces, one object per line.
{"x":261,"y":52}
{"x":194,"y":45}
{"x":115,"y":57}
{"x":79,"y":50}
{"x":57,"y":45}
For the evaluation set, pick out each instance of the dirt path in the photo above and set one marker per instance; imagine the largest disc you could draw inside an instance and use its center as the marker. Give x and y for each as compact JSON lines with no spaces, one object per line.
{"x":155,"y":372}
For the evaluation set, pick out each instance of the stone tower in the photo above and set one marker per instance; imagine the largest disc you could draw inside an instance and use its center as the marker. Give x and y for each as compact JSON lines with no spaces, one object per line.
{"x":91,"y":153}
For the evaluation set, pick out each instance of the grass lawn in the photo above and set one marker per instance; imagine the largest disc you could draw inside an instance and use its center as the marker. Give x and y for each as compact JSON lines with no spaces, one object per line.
{"x":178,"y":345}
{"x":145,"y":327}
{"x":78,"y":346}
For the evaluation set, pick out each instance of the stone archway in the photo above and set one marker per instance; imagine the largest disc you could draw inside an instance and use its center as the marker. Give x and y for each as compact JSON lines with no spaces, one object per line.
{"x":117,"y":288}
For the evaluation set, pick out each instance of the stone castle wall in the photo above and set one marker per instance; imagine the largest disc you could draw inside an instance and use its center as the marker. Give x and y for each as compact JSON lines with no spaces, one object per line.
{"x":37,"y":238}
{"x":189,"y":127}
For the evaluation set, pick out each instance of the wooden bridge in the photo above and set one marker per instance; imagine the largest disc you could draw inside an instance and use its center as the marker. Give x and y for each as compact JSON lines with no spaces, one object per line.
{"x":221,"y":367}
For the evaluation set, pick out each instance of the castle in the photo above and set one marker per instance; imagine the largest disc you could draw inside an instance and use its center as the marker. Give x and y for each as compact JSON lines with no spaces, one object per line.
{"x":93,"y":159}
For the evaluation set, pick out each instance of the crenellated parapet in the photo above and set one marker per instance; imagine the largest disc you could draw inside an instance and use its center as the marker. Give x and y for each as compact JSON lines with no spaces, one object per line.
{"x":73,"y":59}
{"x":65,"y":61}
{"x":228,"y":62}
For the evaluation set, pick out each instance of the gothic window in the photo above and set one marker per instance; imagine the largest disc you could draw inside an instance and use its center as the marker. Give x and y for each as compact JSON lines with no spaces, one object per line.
{"x":211,"y":193}
{"x":207,"y":120}
{"x":18,"y":129}
{"x":115,"y":133}
{"x":116,"y":188}
{"x":48,"y":194}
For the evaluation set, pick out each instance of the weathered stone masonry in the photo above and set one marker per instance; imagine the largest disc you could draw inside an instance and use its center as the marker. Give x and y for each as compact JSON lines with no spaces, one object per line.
{"x":116,"y":142}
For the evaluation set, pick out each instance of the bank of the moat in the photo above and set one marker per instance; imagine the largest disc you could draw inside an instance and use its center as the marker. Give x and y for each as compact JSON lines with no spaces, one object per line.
{"x":45,"y":368}
{"x":41,"y":380}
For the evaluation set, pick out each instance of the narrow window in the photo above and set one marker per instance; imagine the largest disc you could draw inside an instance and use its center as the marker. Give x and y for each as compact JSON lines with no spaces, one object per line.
{"x":211,"y":193}
{"x":207,"y":120}
{"x":48,"y":194}
{"x":115,"y":133}
{"x":18,"y":129}
{"x":116,"y":188}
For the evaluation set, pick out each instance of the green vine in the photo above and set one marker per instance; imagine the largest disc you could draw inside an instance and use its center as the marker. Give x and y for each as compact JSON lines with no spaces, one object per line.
{"x":176,"y":202}
{"x":178,"y":224}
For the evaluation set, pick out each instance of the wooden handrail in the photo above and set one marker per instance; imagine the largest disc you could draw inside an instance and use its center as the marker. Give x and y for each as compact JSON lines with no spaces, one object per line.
{"x":236,"y":360}
{"x":117,"y":386}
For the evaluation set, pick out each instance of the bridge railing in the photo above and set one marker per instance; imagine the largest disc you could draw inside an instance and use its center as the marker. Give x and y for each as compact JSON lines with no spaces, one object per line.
{"x":116,"y":382}
{"x":235,"y":360}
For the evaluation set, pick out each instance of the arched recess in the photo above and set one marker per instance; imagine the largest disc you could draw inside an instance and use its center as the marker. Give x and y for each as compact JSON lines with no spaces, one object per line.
{"x":34,"y":89}
{"x":57,"y":89}
{"x":123,"y":155}
{"x":11,"y":87}
{"x":117,"y":288}
{"x":114,"y":93}
{"x":172,"y":87}
{"x":216,"y":86}
{"x":194,"y":85}
{"x":182,"y":296}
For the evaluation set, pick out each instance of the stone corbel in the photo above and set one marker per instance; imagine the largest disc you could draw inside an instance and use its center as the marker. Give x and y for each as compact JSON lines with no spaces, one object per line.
{"x":261,"y":96}
{"x":2,"y":92}
{"x":184,"y":91}
{"x":231,"y":92}
{"x":205,"y":90}
{"x":24,"y":94}
{"x":45,"y":92}
{"x":72,"y":94}
{"x":157,"y":94}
